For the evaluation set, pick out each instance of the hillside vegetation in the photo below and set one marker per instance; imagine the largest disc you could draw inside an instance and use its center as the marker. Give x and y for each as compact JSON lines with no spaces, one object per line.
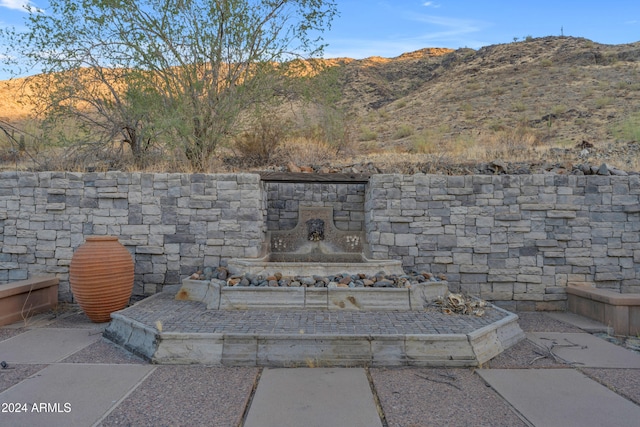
{"x":546,"y":104}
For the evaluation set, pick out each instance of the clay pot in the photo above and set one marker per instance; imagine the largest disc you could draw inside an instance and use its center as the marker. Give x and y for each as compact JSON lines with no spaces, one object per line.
{"x":101,"y":277}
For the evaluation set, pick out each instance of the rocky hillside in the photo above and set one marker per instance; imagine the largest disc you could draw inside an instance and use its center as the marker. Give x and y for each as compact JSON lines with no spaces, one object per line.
{"x":533,"y":100}
{"x":560,"y":103}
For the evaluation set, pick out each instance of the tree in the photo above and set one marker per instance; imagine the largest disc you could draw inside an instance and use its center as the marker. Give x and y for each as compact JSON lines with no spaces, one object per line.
{"x":172,"y":71}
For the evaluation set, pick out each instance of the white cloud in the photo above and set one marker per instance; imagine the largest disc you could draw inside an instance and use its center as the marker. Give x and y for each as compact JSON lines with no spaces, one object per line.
{"x":431,"y":4}
{"x":14,"y":4}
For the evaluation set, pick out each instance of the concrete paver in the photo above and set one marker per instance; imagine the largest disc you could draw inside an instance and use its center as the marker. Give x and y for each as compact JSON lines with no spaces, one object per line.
{"x":561,"y":397}
{"x":46,"y":345}
{"x":586,"y":350}
{"x":320,"y":397}
{"x":70,"y":394}
{"x":116,"y":394}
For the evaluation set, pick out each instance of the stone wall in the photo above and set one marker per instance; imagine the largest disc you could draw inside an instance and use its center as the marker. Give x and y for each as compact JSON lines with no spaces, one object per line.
{"x":171,"y":223}
{"x":284,"y":199}
{"x":519,"y":240}
{"x":516,"y":239}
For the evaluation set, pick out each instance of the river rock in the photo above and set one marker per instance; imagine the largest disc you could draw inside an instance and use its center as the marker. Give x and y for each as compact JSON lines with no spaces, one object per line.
{"x":345,"y":280}
{"x":308,"y":281}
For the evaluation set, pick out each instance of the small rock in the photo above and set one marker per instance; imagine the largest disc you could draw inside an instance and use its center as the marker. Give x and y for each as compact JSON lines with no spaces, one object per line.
{"x":270,"y":278}
{"x":343,"y":285}
{"x":618,"y":172}
{"x":291,"y":167}
{"x":295,"y":284}
{"x":278,"y":275}
{"x":233,"y":281}
{"x":308,"y":281}
{"x":345,"y":280}
{"x":384,"y":283}
{"x":273,"y":283}
{"x":195,"y":276}
{"x":367,"y":282}
{"x":244,"y":282}
{"x":604,"y":170}
{"x":332,"y":285}
{"x":284,"y":282}
{"x":222,"y":273}
{"x":322,"y":279}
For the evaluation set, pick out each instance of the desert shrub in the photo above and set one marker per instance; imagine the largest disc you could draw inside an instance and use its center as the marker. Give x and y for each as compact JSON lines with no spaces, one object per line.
{"x":367,"y":134}
{"x":519,"y":106}
{"x":403,"y":131}
{"x":629,"y":129}
{"x":256,"y":145}
{"x":301,"y":150}
{"x":603,"y":102}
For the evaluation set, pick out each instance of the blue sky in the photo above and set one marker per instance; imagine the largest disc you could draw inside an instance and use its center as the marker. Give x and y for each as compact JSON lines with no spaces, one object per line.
{"x":390,"y":28}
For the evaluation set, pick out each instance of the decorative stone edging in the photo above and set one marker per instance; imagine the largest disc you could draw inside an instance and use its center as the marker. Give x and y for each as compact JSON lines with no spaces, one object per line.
{"x":469,"y":349}
{"x":218,"y":297}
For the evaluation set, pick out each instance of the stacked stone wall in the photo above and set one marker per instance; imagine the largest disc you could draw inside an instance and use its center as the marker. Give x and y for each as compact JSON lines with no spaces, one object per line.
{"x":171,"y":223}
{"x":519,"y":240}
{"x":285,"y":198}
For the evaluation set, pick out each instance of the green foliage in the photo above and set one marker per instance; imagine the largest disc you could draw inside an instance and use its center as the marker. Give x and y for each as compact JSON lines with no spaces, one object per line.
{"x":176,"y":72}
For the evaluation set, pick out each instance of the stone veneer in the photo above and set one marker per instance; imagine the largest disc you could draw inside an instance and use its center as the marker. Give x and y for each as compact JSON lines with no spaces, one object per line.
{"x":284,"y":200}
{"x":517,"y":240}
{"x":171,"y":223}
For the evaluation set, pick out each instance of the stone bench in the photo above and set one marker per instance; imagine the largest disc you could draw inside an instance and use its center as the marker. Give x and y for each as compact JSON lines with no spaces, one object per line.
{"x":613,"y":309}
{"x":21,"y":300}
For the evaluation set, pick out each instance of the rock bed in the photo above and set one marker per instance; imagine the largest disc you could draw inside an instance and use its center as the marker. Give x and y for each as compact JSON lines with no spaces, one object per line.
{"x":380,"y":280}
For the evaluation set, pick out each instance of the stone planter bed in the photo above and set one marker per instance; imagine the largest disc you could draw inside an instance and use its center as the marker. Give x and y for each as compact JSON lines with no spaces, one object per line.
{"x":217,"y":296}
{"x":167,"y":331}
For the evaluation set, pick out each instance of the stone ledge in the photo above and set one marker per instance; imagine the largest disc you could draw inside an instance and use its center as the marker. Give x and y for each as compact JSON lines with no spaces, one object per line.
{"x":22,"y":299}
{"x":243,"y":298}
{"x":618,"y":311}
{"x":293,"y":344}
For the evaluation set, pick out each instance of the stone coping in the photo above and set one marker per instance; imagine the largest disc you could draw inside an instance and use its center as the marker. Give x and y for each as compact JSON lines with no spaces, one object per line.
{"x":218,"y":297}
{"x":606,"y":296}
{"x":621,"y":312}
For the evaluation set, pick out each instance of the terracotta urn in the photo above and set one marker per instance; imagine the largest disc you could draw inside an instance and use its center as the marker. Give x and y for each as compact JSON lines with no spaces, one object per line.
{"x":101,"y":277}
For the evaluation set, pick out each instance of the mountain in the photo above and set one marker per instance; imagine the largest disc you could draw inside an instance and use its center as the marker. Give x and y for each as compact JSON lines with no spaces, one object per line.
{"x":552,"y":102}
